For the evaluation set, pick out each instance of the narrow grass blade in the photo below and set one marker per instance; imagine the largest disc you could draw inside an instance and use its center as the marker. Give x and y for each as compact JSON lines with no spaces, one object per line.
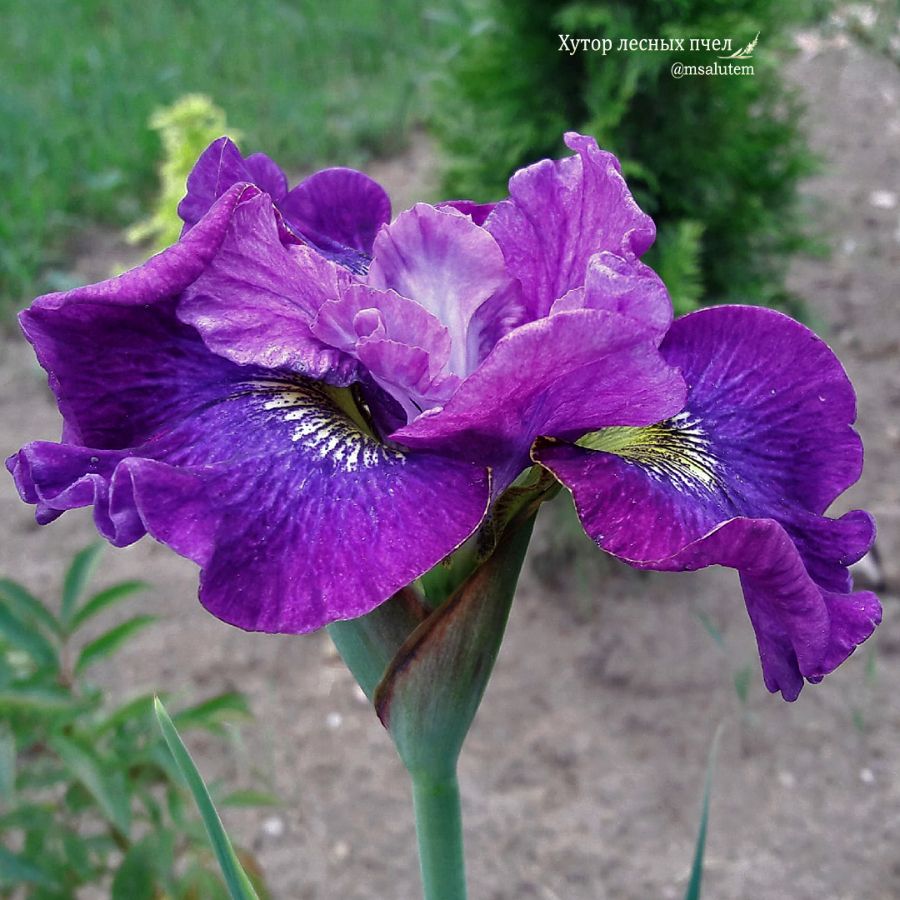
{"x":235,"y":877}
{"x":695,"y":884}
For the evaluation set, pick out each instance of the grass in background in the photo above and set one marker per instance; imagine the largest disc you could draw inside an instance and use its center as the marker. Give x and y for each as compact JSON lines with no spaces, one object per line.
{"x":303,"y":80}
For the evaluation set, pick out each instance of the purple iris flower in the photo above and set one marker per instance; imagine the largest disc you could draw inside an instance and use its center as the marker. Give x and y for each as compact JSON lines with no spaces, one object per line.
{"x":317,"y":406}
{"x":742,"y":477}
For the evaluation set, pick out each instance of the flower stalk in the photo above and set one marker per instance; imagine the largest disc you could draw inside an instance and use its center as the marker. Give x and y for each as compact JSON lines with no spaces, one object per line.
{"x":439,"y":832}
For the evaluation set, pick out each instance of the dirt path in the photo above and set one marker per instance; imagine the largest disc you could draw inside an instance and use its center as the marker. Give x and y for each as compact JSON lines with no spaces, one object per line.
{"x":582,"y":775}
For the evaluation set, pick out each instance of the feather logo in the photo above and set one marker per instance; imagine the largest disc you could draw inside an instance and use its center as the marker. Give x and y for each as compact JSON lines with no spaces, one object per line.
{"x":746,"y":52}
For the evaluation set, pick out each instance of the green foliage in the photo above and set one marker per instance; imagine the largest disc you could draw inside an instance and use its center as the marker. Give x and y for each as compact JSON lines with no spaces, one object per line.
{"x":307,"y":81}
{"x":239,"y":885}
{"x":89,"y":795}
{"x":185,"y":129}
{"x":715,"y":160}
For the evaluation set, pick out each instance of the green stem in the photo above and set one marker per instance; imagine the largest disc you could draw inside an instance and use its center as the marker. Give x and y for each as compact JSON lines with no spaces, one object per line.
{"x":439,"y":829}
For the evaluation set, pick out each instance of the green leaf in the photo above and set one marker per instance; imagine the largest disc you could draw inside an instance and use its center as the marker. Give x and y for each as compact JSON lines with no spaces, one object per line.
{"x":36,"y":698}
{"x":111,"y":640}
{"x":76,"y":580}
{"x":24,"y":636}
{"x":212,"y":713}
{"x":109,"y":791}
{"x":433,"y":686}
{"x":249,"y":797}
{"x":133,"y":710}
{"x":137,"y":877}
{"x":198,"y":883}
{"x":236,"y":879}
{"x":27,"y":607}
{"x":694,"y":885}
{"x":16,"y":870}
{"x":104,"y":599}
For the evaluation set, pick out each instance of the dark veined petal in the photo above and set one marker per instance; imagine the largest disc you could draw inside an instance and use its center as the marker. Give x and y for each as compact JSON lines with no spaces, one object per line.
{"x":453,"y":268}
{"x":337,"y":211}
{"x":559,"y":214}
{"x":218,"y":168}
{"x":559,"y":376}
{"x":73,"y":331}
{"x":741,"y":478}
{"x":341,"y":206}
{"x":255,"y":300}
{"x":269,"y":481}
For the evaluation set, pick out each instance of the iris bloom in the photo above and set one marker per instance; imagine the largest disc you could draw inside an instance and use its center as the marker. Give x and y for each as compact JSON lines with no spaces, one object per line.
{"x":317,"y":404}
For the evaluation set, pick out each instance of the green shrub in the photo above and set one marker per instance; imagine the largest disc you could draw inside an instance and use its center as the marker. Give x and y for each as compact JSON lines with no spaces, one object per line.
{"x":89,"y":794}
{"x":715,"y":160}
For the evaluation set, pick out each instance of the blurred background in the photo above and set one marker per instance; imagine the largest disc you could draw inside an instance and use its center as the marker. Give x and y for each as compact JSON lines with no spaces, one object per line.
{"x":583,"y":773}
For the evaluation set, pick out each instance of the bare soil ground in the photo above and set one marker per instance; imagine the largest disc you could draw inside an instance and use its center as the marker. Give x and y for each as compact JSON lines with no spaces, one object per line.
{"x":582,"y":775}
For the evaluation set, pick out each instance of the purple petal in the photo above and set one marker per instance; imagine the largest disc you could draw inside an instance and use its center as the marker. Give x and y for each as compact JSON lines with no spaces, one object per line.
{"x":741,"y":478}
{"x":256,"y":300}
{"x":455,"y":270}
{"x":559,"y":376}
{"x":266,"y":174}
{"x":477,"y":212}
{"x":339,"y":206}
{"x":624,"y":286}
{"x":73,"y":332}
{"x":402,"y":345}
{"x":297,"y":516}
{"x":559,"y":214}
{"x":219,"y":167}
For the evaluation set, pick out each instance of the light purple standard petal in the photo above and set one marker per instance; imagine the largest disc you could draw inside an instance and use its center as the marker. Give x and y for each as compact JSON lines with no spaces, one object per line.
{"x":403,"y":346}
{"x":255,"y":301}
{"x":624,"y":286}
{"x":741,"y":477}
{"x":559,"y":214}
{"x":296,"y":514}
{"x":559,"y":376}
{"x":455,"y":270}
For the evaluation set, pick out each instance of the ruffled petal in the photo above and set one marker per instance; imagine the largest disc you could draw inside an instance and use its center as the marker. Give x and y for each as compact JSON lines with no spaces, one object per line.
{"x":340,"y":207}
{"x":297,"y":515}
{"x":455,"y":270}
{"x":624,"y":286}
{"x":402,"y":345}
{"x":741,"y":478}
{"x":255,"y":301}
{"x":100,"y":393}
{"x":559,"y":214}
{"x":559,"y":376}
